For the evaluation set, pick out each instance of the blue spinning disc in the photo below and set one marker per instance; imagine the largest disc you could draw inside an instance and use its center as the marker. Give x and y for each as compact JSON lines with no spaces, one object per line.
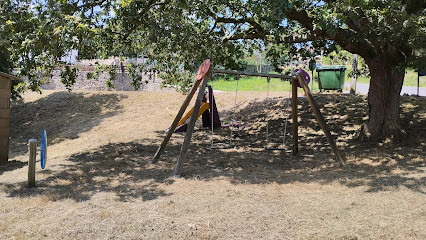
{"x":43,"y":147}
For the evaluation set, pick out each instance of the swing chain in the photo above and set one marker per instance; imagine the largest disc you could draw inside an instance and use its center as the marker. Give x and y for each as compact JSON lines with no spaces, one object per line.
{"x":212,"y":132}
{"x":237,"y":78}
{"x":285,"y":113}
{"x":233,"y":122}
{"x":268,"y":80}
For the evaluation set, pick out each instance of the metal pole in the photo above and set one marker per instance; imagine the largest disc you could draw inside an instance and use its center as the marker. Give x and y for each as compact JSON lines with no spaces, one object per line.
{"x":354,"y":78}
{"x":418,"y":82}
{"x":32,"y":162}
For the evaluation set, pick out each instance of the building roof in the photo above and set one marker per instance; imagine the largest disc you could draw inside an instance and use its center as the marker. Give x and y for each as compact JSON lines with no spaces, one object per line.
{"x":8,"y":76}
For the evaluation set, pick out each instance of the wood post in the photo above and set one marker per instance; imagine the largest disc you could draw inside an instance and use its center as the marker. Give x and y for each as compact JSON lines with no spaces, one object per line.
{"x":175,"y":122}
{"x":235,"y":72}
{"x":295,"y":124}
{"x":32,"y":162}
{"x":321,"y":120}
{"x":354,"y":77}
{"x":191,"y":125}
{"x":4,"y":118}
{"x":418,"y":82}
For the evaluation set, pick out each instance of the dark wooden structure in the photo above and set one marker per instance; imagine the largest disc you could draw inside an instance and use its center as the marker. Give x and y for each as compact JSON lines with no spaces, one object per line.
{"x":5,"y":86}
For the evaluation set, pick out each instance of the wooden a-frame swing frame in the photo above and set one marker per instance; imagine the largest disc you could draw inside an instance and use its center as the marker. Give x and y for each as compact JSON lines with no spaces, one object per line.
{"x":200,"y":83}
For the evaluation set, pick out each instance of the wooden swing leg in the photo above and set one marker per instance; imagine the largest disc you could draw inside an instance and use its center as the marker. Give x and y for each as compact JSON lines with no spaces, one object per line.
{"x":295,"y":126}
{"x":190,"y":129}
{"x":340,"y":158}
{"x":203,"y":69}
{"x":175,"y":122}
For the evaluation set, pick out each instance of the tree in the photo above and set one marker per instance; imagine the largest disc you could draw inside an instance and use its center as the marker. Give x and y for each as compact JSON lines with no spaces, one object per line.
{"x":37,"y":34}
{"x":179,"y":34}
{"x":384,"y":33}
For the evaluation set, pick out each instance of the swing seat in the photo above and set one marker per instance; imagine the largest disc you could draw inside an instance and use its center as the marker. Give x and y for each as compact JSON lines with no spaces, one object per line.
{"x":236,"y":124}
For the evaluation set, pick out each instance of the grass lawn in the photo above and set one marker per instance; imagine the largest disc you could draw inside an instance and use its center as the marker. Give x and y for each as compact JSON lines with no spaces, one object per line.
{"x":410,"y":79}
{"x":276,"y":85}
{"x":254,"y":84}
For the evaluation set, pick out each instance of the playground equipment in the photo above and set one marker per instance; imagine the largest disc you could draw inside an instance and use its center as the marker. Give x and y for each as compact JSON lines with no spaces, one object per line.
{"x":32,"y":146}
{"x":183,"y":123}
{"x":201,"y":80}
{"x":305,"y":76}
{"x":201,"y":73}
{"x":207,"y":106}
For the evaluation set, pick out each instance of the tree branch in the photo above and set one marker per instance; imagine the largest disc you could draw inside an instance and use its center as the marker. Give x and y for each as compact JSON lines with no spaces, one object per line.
{"x":256,"y":31}
{"x":132,"y":27}
{"x":344,"y":37}
{"x":300,"y":39}
{"x":250,"y":21}
{"x":243,"y":36}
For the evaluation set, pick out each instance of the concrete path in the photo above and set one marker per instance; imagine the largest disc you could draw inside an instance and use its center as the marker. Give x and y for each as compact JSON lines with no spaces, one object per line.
{"x":362,"y":88}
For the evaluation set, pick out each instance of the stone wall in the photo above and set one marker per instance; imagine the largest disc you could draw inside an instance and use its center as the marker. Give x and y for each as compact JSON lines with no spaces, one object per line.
{"x":122,"y":83}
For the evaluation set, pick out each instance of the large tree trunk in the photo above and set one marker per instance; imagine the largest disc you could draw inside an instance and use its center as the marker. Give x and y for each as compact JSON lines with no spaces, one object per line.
{"x":384,"y":100}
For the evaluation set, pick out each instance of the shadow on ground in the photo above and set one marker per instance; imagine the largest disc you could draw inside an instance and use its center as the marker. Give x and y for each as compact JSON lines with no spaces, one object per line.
{"x":63,"y":115}
{"x":11,"y":165}
{"x":378,"y":166}
{"x":125,"y":170}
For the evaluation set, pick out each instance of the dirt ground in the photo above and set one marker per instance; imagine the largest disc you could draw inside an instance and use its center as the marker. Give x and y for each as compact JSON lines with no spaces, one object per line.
{"x":99,"y":184}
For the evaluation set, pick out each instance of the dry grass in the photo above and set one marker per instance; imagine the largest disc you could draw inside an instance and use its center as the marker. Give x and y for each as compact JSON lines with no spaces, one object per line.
{"x":99,"y":184}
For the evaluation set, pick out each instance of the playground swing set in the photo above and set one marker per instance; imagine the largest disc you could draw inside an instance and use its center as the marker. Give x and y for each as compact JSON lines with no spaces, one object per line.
{"x":211,"y":119}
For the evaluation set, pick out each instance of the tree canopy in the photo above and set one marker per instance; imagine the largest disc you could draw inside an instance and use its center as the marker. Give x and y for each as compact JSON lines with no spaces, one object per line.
{"x":39,"y":33}
{"x":179,"y":34}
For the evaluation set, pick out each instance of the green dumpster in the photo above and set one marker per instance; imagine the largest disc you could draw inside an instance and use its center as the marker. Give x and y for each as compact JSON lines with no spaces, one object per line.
{"x":331,"y":77}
